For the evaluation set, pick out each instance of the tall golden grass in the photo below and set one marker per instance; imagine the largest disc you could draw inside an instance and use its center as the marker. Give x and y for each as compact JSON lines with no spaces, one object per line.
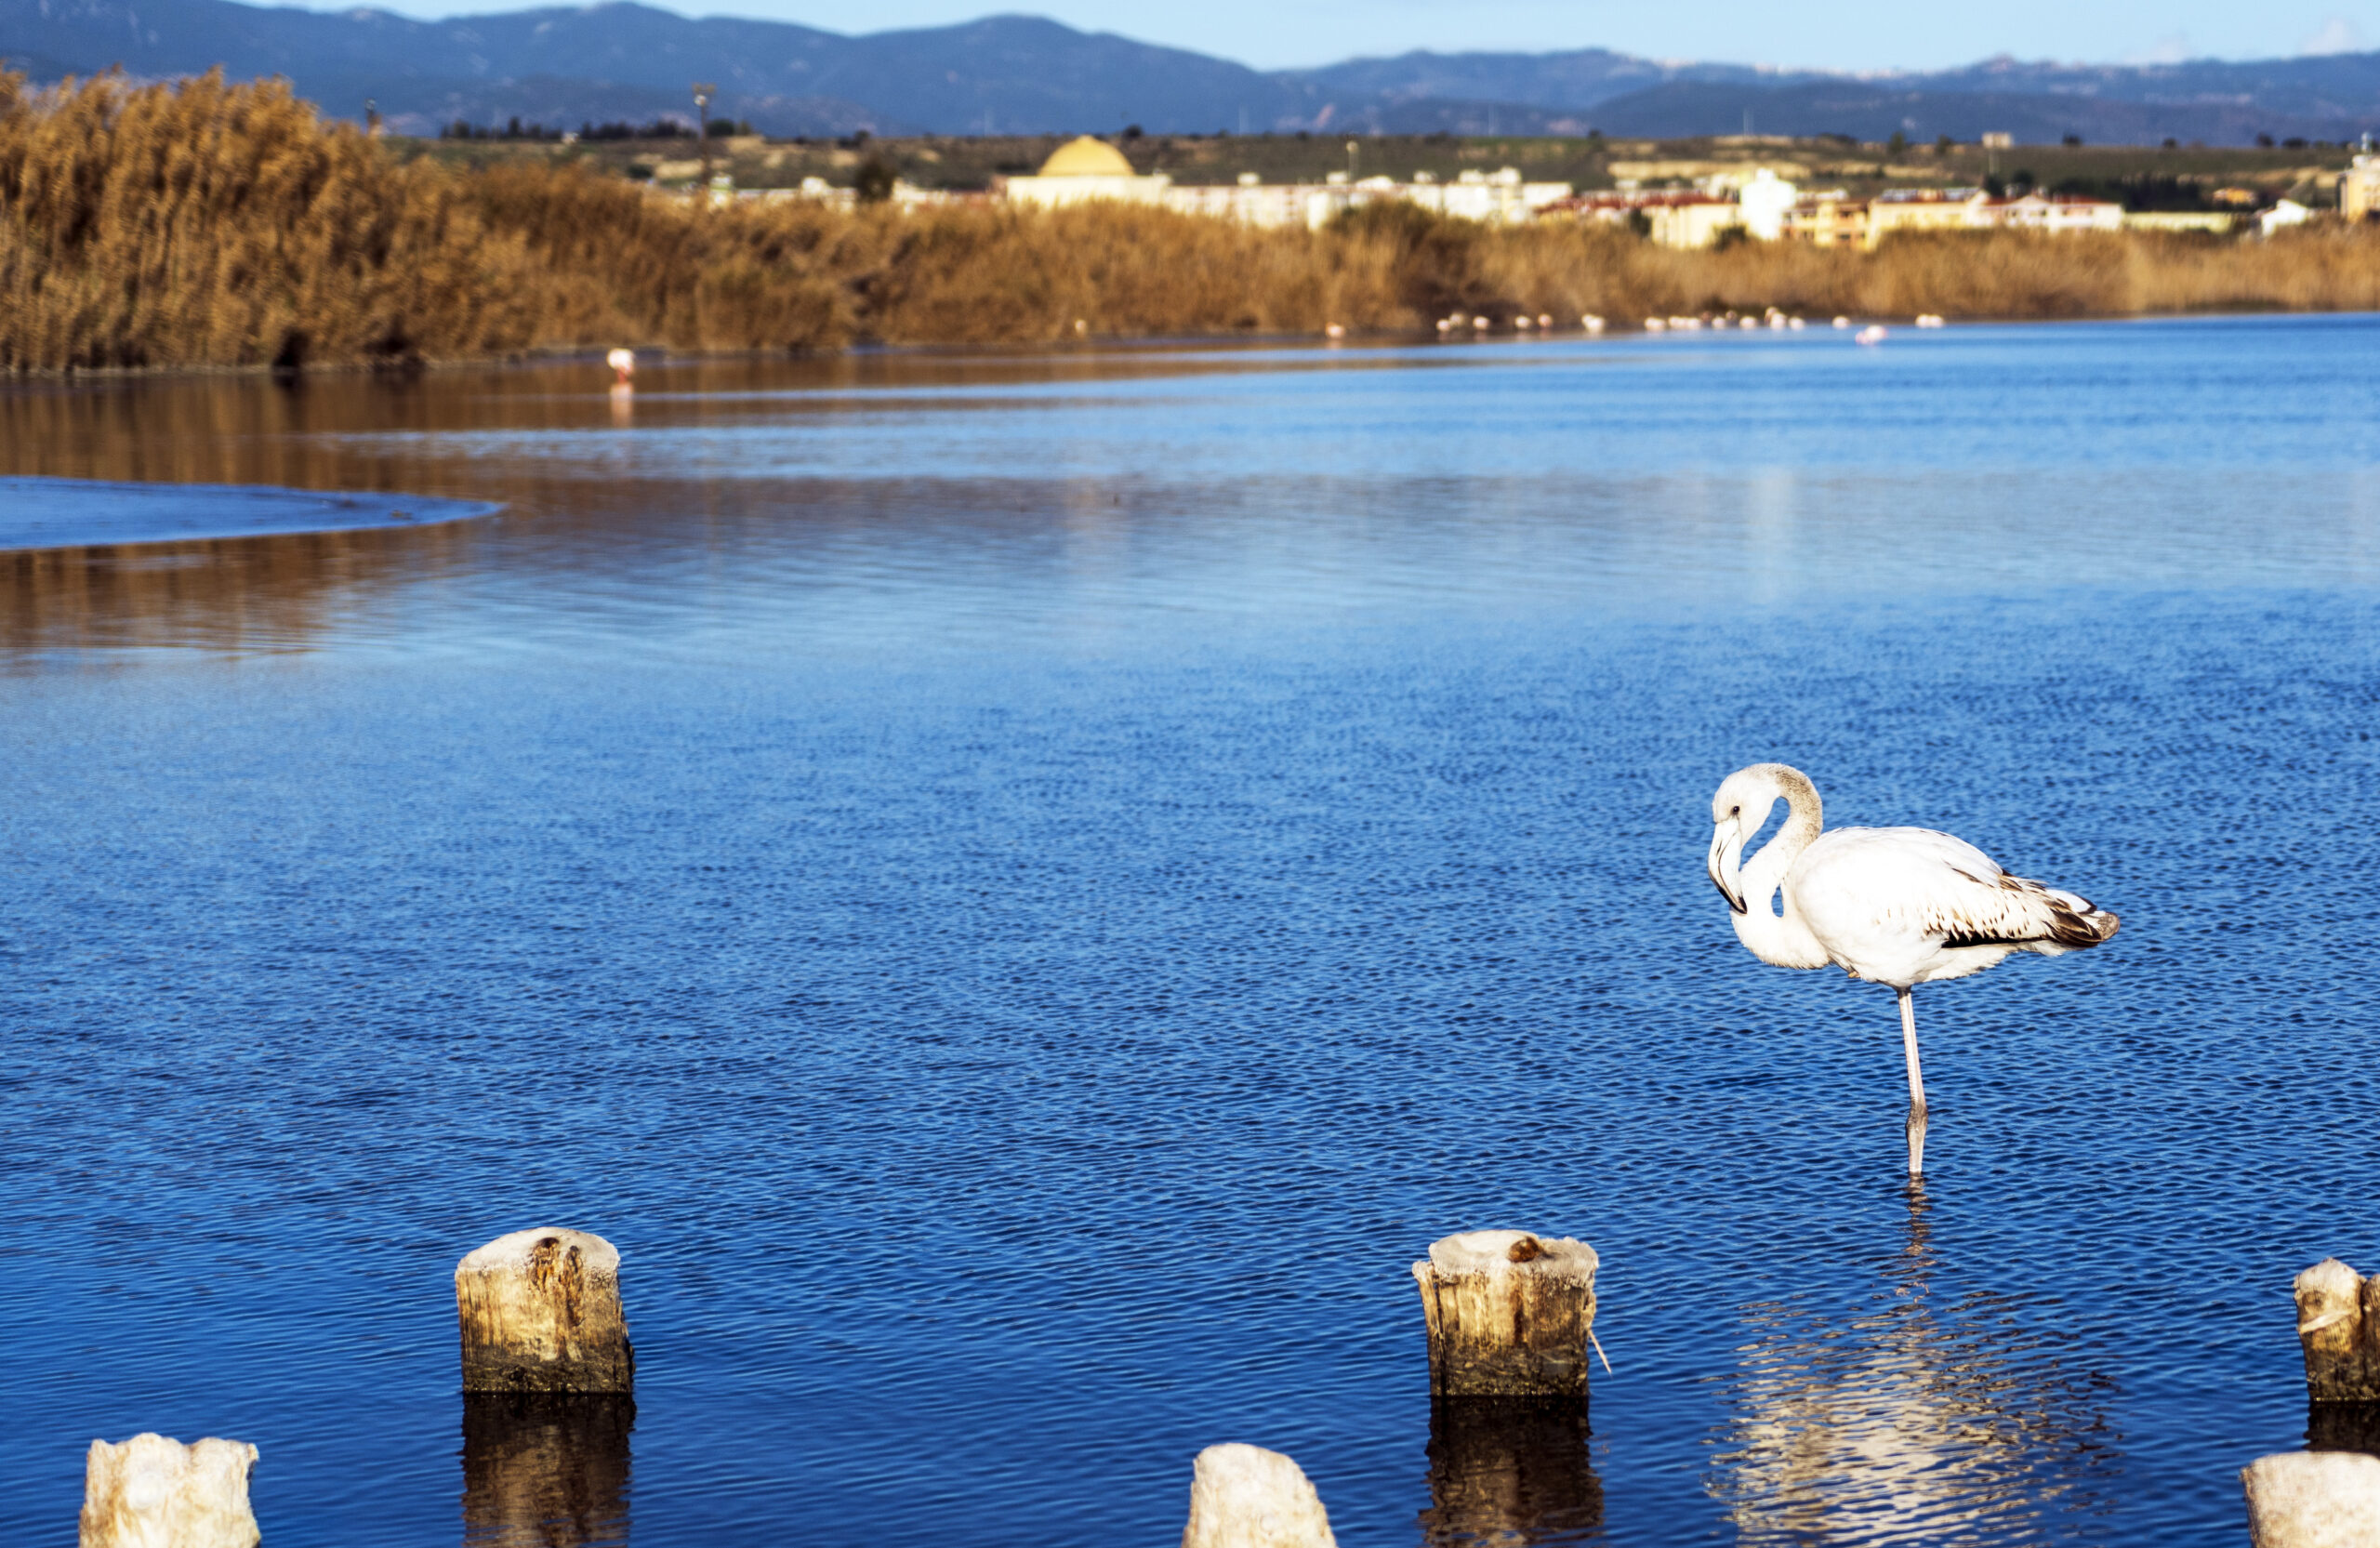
{"x":210,"y":224}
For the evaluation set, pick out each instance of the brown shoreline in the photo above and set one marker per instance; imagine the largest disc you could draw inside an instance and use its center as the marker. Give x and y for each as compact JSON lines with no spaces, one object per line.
{"x":203,"y":227}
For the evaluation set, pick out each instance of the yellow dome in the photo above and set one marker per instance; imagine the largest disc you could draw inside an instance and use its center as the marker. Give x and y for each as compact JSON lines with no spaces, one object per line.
{"x":1086,"y":157}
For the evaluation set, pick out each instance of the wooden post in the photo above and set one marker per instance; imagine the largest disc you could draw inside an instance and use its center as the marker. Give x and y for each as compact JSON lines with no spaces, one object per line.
{"x":151,"y":1492}
{"x":2313,"y":1500}
{"x":532,"y":1460}
{"x":2338,"y":1323}
{"x":540,"y":1312}
{"x":1246,"y":1497}
{"x":1510,"y":1315}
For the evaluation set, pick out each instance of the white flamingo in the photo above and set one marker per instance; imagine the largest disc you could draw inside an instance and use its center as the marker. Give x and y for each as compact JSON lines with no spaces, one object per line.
{"x":1897,"y":905}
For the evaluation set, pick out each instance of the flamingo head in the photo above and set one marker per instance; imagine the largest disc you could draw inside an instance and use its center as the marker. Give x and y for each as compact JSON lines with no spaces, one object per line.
{"x":1738,"y":811}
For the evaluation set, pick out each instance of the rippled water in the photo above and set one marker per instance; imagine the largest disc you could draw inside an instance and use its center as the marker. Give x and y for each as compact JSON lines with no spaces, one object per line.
{"x":1024,"y":892}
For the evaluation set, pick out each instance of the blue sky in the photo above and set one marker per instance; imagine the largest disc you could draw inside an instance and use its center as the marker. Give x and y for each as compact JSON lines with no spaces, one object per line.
{"x":1852,"y":35}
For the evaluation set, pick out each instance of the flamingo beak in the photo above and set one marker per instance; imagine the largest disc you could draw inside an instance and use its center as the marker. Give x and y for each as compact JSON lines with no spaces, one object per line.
{"x":1726,"y":841}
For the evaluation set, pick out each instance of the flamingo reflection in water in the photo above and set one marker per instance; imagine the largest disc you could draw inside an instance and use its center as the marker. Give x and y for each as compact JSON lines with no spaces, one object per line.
{"x":1914,"y":1420}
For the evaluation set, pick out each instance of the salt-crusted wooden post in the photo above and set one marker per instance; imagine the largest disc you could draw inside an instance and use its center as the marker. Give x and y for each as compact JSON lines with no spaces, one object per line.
{"x":1510,"y":1315}
{"x":151,"y":1492}
{"x":2313,"y":1500}
{"x":540,"y":1312}
{"x":2338,"y":1323}
{"x":1246,"y":1497}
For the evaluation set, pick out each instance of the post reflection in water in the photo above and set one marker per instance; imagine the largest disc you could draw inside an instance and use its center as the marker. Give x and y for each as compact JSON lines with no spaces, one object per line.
{"x":1914,"y":1418}
{"x":1508,"y":1471}
{"x":2343,"y":1427}
{"x":546,"y":1470}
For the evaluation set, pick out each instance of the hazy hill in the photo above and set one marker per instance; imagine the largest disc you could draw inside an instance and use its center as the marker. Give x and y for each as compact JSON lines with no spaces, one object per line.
{"x":2333,"y":97}
{"x":625,"y":59}
{"x":1570,"y":80}
{"x":1015,"y":73}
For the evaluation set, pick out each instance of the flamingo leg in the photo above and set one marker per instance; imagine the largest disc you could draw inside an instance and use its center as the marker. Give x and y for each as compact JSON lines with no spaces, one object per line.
{"x":1916,"y":1086}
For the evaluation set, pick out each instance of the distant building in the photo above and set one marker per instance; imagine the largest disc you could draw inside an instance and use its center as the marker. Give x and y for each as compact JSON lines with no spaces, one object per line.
{"x":2050,"y":212}
{"x":1765,"y":201}
{"x":1084,"y":169}
{"x":1497,"y":198}
{"x":1927,"y":209}
{"x":1253,"y":202}
{"x":1920,"y":209}
{"x":2359,"y":188}
{"x":905,"y":196}
{"x":2288,"y":212}
{"x":1690,"y":219}
{"x":2216,"y":221}
{"x":1828,"y":220}
{"x":1761,"y":203}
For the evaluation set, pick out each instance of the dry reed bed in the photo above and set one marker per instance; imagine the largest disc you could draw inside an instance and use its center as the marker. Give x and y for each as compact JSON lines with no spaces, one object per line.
{"x":207,"y":224}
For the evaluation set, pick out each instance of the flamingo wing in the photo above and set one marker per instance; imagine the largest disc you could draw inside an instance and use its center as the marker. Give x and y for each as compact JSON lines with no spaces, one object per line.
{"x":1891,"y":898}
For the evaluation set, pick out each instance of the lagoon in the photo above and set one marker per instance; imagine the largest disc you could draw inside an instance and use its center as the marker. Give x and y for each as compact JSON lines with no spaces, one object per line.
{"x":1023,"y":889}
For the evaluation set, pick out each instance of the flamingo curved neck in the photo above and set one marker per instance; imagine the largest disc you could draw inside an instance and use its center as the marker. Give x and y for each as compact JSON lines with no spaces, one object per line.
{"x":1781,"y":940}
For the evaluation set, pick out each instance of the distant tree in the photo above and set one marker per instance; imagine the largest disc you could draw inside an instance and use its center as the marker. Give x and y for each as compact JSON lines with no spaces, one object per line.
{"x":2264,"y":142}
{"x":2169,"y":142}
{"x":2291,"y":143}
{"x":2070,"y":142}
{"x":2020,"y":181}
{"x":1943,"y":145}
{"x":873,"y":182}
{"x":1131,"y":131}
{"x":1899,"y":143}
{"x":1994,"y":185}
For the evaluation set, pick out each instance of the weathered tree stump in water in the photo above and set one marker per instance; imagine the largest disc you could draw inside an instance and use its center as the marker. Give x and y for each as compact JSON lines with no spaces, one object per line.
{"x":151,"y":1492}
{"x":2313,"y":1500}
{"x":1510,"y":1315}
{"x":540,"y":1312}
{"x":2338,"y":1323}
{"x":1246,"y":1497}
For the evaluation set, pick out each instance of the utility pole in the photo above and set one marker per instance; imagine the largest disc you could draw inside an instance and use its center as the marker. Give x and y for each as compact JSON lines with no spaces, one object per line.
{"x":704,"y":92}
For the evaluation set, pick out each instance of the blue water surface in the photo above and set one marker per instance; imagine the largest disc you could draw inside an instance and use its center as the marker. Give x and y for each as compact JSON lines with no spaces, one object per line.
{"x":1023,"y":892}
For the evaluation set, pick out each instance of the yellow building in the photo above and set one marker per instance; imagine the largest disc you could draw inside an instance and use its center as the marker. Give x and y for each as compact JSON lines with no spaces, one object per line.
{"x":2359,"y":188}
{"x":1921,"y":209}
{"x":2215,"y":221}
{"x":1084,"y":169}
{"x":1689,"y":220}
{"x":1832,"y":220}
